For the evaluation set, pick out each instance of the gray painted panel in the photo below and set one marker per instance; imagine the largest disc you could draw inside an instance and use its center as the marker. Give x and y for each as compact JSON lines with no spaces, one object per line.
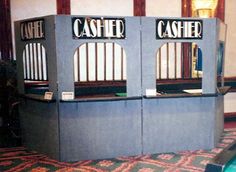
{"x":39,"y":123}
{"x":219,"y":118}
{"x":97,"y":130}
{"x":178,"y":124}
{"x":150,"y":47}
{"x":66,"y":47}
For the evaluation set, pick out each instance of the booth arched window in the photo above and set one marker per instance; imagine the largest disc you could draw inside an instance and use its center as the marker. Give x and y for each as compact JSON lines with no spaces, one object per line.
{"x":99,"y":69}
{"x":170,"y":67}
{"x":35,"y":62}
{"x":35,"y":68}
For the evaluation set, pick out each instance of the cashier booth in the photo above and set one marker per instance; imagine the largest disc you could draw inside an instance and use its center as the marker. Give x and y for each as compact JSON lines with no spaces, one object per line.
{"x":89,"y":85}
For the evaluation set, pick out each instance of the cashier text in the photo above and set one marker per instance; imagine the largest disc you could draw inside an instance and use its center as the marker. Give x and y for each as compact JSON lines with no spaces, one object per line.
{"x":98,"y":28}
{"x":32,"y":29}
{"x":179,"y":29}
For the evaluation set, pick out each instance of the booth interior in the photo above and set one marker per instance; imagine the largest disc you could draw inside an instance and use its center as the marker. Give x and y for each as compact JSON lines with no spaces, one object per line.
{"x":92,"y":86}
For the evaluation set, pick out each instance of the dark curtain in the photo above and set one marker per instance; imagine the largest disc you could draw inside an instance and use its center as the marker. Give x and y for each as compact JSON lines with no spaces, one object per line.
{"x":5,"y":30}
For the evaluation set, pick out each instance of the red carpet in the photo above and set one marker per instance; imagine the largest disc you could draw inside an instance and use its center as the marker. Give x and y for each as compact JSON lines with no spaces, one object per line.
{"x":230,"y":124}
{"x":20,"y":159}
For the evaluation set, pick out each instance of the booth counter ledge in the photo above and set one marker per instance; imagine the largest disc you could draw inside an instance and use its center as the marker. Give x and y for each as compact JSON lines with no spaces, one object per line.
{"x":36,"y":97}
{"x":221,"y":91}
{"x":101,"y":99}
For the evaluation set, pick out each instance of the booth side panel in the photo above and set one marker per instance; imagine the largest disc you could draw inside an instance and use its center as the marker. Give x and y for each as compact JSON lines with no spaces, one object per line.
{"x":50,"y":45}
{"x":65,"y":50}
{"x":19,"y":60}
{"x":149,"y":52}
{"x":209,"y":51}
{"x":132,"y":46}
{"x":39,"y":123}
{"x":98,"y":130}
{"x":219,"y":118}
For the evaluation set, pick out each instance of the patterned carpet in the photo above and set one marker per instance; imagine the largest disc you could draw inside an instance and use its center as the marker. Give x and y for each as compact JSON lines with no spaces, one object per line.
{"x":20,"y":159}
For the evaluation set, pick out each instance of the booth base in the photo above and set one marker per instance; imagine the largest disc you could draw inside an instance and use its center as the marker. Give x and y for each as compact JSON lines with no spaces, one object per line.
{"x":101,"y":129}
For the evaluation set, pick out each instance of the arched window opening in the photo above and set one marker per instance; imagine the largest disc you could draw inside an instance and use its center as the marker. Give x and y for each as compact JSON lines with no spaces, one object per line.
{"x":35,"y":66}
{"x":170,"y":68}
{"x":100,"y":69}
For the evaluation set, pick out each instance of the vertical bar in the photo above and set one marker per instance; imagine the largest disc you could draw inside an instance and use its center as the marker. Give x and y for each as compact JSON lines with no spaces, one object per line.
{"x":186,"y":60}
{"x":186,"y":12}
{"x":96,"y":61}
{"x":31,"y":61}
{"x":46,"y":65}
{"x":33,"y":64}
{"x":175,"y":49}
{"x":27,"y":61}
{"x":167,"y":59}
{"x":24,"y":63}
{"x":87,"y":62}
{"x":78,"y":61}
{"x":63,"y":6}
{"x":139,"y":7}
{"x":105,"y":57}
{"x":159,"y":63}
{"x":34,"y":61}
{"x":44,"y":57}
{"x":196,"y":50}
{"x":190,"y":54}
{"x":122,"y":65}
{"x":37,"y":57}
{"x":113,"y":61}
{"x":39,"y":61}
{"x":220,"y":10}
{"x":41,"y":56}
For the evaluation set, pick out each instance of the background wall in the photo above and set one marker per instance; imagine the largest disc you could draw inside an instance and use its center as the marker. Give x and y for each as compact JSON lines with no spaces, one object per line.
{"x":102,"y":7}
{"x":159,"y":8}
{"x":230,"y":55}
{"x":230,"y":20}
{"x":21,"y":9}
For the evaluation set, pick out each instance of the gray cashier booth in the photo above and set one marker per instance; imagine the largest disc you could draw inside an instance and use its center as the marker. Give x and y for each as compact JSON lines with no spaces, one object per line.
{"x":101,"y":74}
